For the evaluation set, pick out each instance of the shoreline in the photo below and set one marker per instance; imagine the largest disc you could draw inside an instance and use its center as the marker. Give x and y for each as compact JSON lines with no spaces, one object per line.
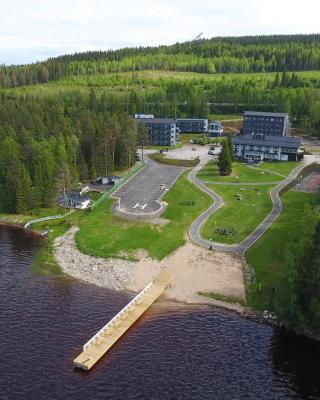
{"x":242,"y":311}
{"x":220,"y":273}
{"x":21,"y":227}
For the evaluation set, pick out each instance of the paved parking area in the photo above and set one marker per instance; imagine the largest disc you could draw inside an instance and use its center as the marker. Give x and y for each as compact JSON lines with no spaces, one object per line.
{"x":142,"y":193}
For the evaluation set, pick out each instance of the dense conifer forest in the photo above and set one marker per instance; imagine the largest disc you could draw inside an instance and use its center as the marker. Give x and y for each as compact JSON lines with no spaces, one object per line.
{"x":217,"y":55}
{"x":46,"y":145}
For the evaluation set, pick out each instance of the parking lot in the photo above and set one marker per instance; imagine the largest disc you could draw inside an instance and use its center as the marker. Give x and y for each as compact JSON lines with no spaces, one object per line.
{"x":143,"y":192}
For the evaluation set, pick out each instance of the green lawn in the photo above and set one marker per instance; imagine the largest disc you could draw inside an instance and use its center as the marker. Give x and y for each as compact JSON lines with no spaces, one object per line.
{"x":240,"y":173}
{"x":271,"y":254}
{"x":246,"y":173}
{"x":283,"y":167}
{"x":22,"y":219}
{"x":102,"y":234}
{"x":162,"y":159}
{"x":239,"y":216}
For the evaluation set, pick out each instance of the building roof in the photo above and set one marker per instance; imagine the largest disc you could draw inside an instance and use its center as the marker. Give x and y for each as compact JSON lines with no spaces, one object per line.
{"x":282,"y":141}
{"x":265,"y":114}
{"x":192,"y":119}
{"x":156,"y":120}
{"x":77,"y":197}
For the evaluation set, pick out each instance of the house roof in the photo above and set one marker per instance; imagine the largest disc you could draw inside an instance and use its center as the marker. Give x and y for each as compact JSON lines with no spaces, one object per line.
{"x":192,"y":119}
{"x":282,"y":141}
{"x":156,"y":120}
{"x":77,"y":196}
{"x":265,"y":114}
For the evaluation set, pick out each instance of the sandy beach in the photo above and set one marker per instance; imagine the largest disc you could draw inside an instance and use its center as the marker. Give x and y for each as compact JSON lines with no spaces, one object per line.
{"x":195,"y":270}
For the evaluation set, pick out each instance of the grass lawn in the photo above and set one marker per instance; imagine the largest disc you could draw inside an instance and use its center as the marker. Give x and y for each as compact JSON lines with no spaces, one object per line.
{"x":283,"y":167}
{"x":240,"y":216}
{"x":102,"y":234}
{"x":240,"y":173}
{"x":22,"y":219}
{"x":246,"y":173}
{"x":269,"y":255}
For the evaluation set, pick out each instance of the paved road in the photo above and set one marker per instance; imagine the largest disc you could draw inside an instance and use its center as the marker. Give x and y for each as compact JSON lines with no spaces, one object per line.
{"x":141,"y":194}
{"x":239,"y":248}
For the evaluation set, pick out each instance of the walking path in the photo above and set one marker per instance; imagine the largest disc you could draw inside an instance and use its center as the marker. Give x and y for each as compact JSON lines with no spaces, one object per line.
{"x":239,"y":248}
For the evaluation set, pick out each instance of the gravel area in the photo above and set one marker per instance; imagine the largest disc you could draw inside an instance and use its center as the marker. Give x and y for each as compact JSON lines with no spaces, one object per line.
{"x":112,"y":273}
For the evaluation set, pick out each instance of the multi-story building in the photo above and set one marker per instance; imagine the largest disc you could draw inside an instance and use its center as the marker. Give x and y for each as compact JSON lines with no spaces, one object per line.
{"x":215,"y":129}
{"x":162,"y":131}
{"x":267,"y":123}
{"x":260,"y":147}
{"x":188,"y":125}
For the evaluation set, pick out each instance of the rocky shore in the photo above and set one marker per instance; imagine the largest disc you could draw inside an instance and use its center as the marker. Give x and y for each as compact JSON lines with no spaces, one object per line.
{"x":195,"y":270}
{"x":113,"y":274}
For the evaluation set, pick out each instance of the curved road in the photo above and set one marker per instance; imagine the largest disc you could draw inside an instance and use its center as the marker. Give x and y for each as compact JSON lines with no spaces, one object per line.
{"x":239,"y":248}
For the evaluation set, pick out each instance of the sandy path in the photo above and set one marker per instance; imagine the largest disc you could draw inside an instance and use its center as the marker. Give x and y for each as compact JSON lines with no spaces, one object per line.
{"x":195,"y":269}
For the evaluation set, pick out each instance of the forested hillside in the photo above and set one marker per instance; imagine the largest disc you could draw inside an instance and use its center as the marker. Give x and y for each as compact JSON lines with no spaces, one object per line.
{"x":47,"y":144}
{"x":221,"y":55}
{"x":63,"y":119}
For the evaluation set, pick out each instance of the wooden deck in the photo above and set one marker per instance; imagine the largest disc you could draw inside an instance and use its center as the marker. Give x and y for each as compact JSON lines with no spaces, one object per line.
{"x":100,"y":343}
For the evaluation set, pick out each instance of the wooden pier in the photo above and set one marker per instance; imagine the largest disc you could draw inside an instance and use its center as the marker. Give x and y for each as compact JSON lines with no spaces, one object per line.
{"x":103,"y":340}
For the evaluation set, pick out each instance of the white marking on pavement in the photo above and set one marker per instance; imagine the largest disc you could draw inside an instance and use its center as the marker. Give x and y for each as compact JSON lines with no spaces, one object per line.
{"x":141,"y":207}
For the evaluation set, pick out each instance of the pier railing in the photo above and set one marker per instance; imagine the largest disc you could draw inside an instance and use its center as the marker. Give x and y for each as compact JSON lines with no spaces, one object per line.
{"x":132,"y":303}
{"x":35,"y":221}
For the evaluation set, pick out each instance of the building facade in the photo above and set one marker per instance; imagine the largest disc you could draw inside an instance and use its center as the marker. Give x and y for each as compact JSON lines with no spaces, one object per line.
{"x":260,"y":147}
{"x":215,"y":129}
{"x":270,"y":124}
{"x":194,"y":125}
{"x":162,"y":131}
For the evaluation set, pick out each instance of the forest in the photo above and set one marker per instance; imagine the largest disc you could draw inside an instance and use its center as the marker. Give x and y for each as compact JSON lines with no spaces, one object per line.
{"x":67,"y":118}
{"x":217,"y":55}
{"x":46,"y":145}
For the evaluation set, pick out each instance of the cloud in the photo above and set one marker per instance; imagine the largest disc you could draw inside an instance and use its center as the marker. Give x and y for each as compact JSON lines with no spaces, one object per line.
{"x":32,"y":30}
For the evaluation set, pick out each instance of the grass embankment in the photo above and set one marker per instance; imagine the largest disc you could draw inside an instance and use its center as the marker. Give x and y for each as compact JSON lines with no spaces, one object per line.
{"x":270,"y":256}
{"x":162,"y":159}
{"x":22,"y":219}
{"x":104,"y":235}
{"x":242,"y":212}
{"x":221,"y":297}
{"x":246,"y":173}
{"x":45,"y":262}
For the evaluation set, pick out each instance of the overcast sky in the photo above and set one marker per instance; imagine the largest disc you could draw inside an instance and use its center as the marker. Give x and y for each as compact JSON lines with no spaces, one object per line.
{"x":32,"y":30}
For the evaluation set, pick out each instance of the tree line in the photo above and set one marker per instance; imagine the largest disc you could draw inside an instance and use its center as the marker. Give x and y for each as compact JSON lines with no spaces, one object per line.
{"x":217,"y":55}
{"x":296,"y":294}
{"x":49,"y":143}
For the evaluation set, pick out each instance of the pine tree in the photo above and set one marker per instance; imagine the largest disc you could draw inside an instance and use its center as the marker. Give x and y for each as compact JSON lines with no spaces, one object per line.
{"x":229,"y":144}
{"x":23,"y":191}
{"x":224,"y":163}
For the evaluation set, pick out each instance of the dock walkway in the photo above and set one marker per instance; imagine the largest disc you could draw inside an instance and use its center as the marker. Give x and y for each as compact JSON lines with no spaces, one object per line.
{"x":103,"y":340}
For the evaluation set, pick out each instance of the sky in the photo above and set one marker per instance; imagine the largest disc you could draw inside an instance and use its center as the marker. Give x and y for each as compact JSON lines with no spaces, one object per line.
{"x":34,"y":30}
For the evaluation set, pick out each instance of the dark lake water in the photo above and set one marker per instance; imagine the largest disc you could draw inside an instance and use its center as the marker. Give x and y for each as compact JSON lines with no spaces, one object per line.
{"x":173,"y":352}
